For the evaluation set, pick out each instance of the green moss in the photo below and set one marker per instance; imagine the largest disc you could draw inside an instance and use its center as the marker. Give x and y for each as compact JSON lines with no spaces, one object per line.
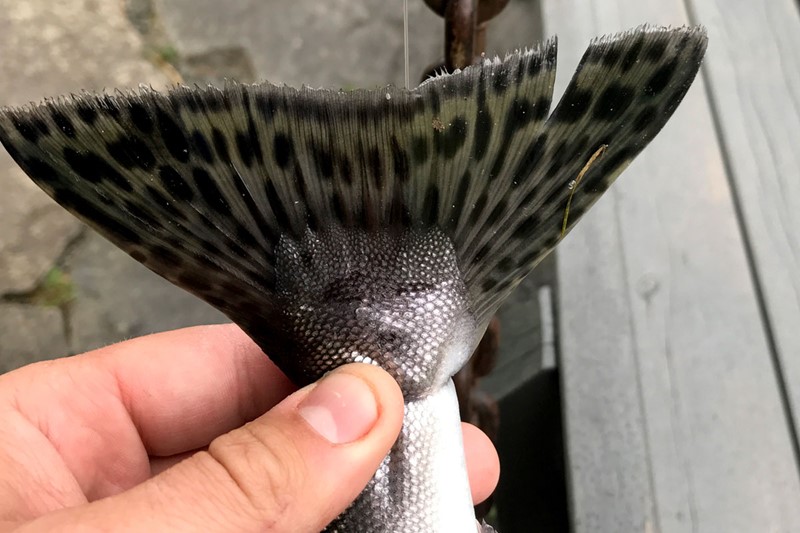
{"x":55,"y":290}
{"x":168,"y":53}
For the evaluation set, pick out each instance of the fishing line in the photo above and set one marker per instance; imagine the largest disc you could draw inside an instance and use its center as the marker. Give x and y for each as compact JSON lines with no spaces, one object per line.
{"x":405,"y":40}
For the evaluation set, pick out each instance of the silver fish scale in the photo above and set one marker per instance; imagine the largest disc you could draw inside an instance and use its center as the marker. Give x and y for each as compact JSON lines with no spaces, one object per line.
{"x":395,"y":299}
{"x":428,"y":452}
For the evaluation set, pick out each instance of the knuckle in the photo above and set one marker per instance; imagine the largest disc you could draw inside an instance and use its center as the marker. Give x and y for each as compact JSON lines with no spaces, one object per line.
{"x":266,"y":469}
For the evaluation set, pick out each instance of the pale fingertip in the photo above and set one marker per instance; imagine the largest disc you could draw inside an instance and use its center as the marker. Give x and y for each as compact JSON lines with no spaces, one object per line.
{"x":483,"y":463}
{"x":341,"y":408}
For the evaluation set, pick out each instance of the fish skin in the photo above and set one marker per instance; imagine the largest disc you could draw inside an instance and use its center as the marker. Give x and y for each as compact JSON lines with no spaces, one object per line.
{"x":379,"y":226}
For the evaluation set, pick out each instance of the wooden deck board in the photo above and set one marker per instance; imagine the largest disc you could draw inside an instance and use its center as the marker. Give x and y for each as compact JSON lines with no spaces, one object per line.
{"x":754,"y":83}
{"x":673,"y":416}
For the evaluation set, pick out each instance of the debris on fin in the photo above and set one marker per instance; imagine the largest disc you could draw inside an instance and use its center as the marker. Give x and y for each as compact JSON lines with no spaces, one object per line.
{"x":200,"y":184}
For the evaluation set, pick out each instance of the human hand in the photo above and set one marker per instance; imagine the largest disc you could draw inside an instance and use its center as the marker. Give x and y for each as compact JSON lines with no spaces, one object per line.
{"x":168,"y":433}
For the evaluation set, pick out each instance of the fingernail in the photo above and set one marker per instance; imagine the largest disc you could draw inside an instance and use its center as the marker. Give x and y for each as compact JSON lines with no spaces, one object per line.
{"x":341,"y":408}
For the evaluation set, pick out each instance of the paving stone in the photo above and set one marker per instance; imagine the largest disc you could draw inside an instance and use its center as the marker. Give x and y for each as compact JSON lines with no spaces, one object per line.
{"x":117,"y":298}
{"x":217,"y":65}
{"x":50,"y":49}
{"x":35,"y":230}
{"x":29,"y":333}
{"x":336,"y":43}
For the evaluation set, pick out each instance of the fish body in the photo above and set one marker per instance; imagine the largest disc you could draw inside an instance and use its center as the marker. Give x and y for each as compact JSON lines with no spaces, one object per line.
{"x":380,"y":226}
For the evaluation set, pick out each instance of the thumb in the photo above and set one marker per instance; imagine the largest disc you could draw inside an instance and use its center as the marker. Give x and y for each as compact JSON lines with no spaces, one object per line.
{"x":293,"y":469}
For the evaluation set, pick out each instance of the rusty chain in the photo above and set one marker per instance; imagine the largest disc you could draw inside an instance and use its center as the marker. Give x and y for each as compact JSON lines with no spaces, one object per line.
{"x":465,"y":28}
{"x":464,"y":42}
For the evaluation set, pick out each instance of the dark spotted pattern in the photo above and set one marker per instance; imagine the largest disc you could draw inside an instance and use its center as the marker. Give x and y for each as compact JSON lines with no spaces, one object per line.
{"x":28,"y":131}
{"x":95,"y":169}
{"x":430,"y":210}
{"x":83,"y":164}
{"x":452,"y":138}
{"x":526,"y":226}
{"x":461,"y":196}
{"x":488,"y":284}
{"x":645,"y":117}
{"x":402,"y":167}
{"x":483,"y":133}
{"x":375,"y":166}
{"x":109,"y":107}
{"x":63,"y":123}
{"x":610,"y":57}
{"x":530,"y":158}
{"x":174,"y":183}
{"x":621,"y":96}
{"x":202,"y":184}
{"x":201,"y":147}
{"x":160,"y":199}
{"x":575,"y":104}
{"x":655,"y":51}
{"x":34,"y":165}
{"x":131,"y":152}
{"x":497,"y":213}
{"x":660,"y":79}
{"x":505,"y":264}
{"x":631,"y":56}
{"x":86,"y":113}
{"x":173,"y":136}
{"x":480,"y":205}
{"x":140,"y":116}
{"x":283,"y":149}
{"x":501,"y":79}
{"x":419,"y":149}
{"x":536,"y":64}
{"x":187,"y":100}
{"x":209,"y":190}
{"x":254,"y":141}
{"x":346,"y":169}
{"x":323,"y":160}
{"x":220,"y":145}
{"x":613,"y":101}
{"x":246,"y":149}
{"x":520,"y":115}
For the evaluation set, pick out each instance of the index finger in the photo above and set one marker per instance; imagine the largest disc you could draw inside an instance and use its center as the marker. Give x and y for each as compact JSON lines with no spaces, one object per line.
{"x":181,"y":388}
{"x":184,"y":388}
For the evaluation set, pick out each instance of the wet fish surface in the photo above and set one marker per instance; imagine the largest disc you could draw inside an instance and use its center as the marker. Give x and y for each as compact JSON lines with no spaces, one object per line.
{"x":380,"y":226}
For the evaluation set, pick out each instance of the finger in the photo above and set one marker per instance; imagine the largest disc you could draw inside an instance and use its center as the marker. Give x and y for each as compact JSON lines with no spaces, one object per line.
{"x":180,"y":389}
{"x":186,"y":388}
{"x":160,"y":464}
{"x":483,"y":464}
{"x":293,"y":469}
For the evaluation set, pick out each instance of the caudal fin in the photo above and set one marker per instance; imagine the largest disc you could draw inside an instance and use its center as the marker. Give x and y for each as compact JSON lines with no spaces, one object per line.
{"x":200,"y":184}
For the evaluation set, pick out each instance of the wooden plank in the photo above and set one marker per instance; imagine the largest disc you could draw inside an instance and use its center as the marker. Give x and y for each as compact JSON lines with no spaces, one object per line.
{"x":673,"y":416}
{"x":754,"y":78}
